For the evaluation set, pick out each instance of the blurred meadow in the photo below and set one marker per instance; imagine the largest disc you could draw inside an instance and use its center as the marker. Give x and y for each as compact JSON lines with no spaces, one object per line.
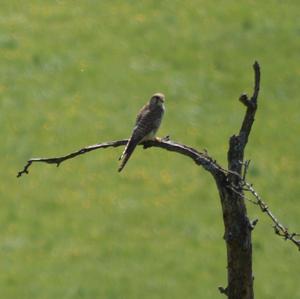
{"x":74,"y":73}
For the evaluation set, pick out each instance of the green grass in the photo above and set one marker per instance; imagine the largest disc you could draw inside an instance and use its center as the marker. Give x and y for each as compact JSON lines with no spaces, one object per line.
{"x":74,"y":73}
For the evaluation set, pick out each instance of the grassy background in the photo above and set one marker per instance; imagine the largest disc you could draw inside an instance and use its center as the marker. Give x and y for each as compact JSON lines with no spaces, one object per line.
{"x":74,"y":73}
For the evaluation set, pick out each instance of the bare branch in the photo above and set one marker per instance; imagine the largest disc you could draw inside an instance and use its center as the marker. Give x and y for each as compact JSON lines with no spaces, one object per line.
{"x":238,"y":143}
{"x":251,"y":105}
{"x":279,"y":229}
{"x":256,"y":68}
{"x":59,"y":160}
{"x":199,"y":158}
{"x":246,"y":166}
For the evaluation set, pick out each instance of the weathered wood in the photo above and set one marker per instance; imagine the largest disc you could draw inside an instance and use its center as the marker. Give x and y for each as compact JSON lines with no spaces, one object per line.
{"x":237,"y":225}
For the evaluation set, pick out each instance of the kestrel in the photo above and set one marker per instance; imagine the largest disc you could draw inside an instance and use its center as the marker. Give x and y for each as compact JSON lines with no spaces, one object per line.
{"x":147,"y":124}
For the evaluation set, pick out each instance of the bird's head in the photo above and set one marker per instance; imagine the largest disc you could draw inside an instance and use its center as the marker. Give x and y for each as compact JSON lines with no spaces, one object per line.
{"x":157,"y":99}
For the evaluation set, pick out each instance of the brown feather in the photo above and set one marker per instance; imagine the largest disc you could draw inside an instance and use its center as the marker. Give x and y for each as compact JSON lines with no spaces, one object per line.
{"x":131,"y":145}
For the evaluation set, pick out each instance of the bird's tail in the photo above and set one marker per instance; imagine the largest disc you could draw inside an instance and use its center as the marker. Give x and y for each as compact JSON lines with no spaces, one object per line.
{"x":131,"y":145}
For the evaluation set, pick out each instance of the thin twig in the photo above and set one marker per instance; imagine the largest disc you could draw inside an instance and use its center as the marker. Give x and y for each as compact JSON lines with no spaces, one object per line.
{"x":59,"y":160}
{"x":279,"y":228}
{"x":246,"y":167}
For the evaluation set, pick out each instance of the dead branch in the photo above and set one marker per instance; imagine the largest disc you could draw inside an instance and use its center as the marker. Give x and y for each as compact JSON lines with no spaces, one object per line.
{"x":59,"y":160}
{"x":279,"y":228}
{"x":199,"y":158}
{"x":231,"y":184}
{"x":238,"y":227}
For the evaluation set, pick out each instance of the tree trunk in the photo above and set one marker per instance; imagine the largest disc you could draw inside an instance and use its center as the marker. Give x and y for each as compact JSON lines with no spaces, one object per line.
{"x":237,"y":225}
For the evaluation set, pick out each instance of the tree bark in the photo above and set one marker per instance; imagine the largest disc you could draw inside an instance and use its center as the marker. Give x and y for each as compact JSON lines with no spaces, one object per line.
{"x":237,"y":225}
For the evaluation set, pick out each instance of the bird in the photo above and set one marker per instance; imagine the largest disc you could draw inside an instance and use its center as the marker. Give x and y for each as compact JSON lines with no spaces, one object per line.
{"x":147,"y":124}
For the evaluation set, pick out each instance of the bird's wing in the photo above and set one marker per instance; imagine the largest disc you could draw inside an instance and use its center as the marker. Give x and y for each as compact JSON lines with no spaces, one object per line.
{"x":142,"y":113}
{"x":143,"y":127}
